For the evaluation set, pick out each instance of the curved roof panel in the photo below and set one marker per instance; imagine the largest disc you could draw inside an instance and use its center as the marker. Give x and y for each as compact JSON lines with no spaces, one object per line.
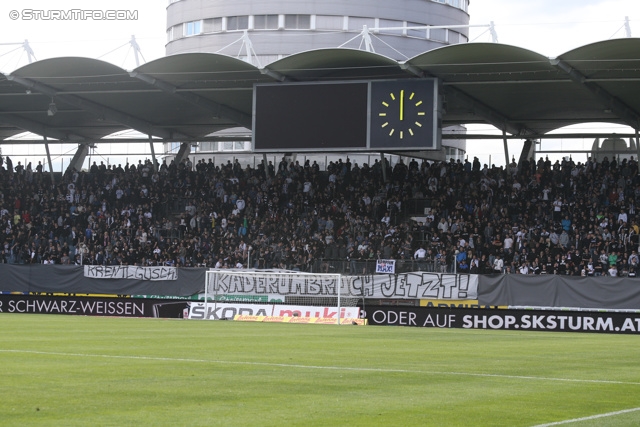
{"x":50,"y":81}
{"x":609,"y":71}
{"x":193,"y":70}
{"x":523,"y":88}
{"x":185,"y":97}
{"x":617,"y":49}
{"x":211,"y":81}
{"x":337,"y":64}
{"x":65,"y":67}
{"x":484,"y":62}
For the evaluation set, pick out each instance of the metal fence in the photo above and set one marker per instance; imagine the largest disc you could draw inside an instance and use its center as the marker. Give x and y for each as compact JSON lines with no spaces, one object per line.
{"x":357,"y":267}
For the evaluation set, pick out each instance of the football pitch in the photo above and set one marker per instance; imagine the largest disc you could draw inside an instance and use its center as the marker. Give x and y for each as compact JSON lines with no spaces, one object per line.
{"x":80,"y":371}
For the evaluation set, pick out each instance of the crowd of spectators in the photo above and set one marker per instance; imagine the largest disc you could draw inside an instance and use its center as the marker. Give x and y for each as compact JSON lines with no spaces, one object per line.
{"x":535,"y":217}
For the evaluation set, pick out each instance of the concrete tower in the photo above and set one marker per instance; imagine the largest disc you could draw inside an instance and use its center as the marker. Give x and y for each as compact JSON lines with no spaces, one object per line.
{"x":263,"y":31}
{"x":280,"y":28}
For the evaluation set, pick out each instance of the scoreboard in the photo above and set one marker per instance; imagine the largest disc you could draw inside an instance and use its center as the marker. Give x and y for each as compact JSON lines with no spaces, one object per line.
{"x":382,"y":115}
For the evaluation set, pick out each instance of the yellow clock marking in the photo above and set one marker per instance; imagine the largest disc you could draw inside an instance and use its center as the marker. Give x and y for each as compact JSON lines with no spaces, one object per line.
{"x":401,"y":97}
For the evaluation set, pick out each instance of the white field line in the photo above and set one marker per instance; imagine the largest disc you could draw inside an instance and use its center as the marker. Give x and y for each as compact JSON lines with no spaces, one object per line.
{"x":593,"y":417}
{"x":334,"y":368}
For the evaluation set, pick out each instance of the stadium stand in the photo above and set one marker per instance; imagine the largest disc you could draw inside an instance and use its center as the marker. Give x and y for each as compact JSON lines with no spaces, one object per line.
{"x":534,"y":217}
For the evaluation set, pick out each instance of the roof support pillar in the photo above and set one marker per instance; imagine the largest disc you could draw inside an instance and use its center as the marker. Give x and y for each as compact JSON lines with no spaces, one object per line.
{"x":506,"y":148}
{"x":384,"y":167}
{"x":183,"y":152}
{"x":153,"y":155}
{"x":46,"y":147}
{"x":637,"y":150}
{"x":78,"y":158}
{"x":265,"y":162}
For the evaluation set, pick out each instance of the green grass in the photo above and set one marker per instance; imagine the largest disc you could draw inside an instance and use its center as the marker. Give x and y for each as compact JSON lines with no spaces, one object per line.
{"x":80,"y":371}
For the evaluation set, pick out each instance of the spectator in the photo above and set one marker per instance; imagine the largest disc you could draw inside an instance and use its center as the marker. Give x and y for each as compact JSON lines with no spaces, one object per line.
{"x":490,"y":215}
{"x":498,"y":264}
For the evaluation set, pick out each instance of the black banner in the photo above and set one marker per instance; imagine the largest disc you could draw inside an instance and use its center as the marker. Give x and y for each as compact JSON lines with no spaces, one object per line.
{"x":91,"y":306}
{"x":529,"y":320}
{"x":554,"y":290}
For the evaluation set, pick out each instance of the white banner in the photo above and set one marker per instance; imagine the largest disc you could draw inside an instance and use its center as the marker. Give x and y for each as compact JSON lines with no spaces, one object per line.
{"x":221,"y":311}
{"x":130,"y":272}
{"x":224,"y":311}
{"x":386,"y":266}
{"x":417,"y":285}
{"x":270,"y":284}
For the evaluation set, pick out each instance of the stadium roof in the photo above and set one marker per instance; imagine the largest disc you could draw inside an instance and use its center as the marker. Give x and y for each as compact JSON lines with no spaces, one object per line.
{"x":186,"y":97}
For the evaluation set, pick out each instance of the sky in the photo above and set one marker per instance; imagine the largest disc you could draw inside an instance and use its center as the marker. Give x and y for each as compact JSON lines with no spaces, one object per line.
{"x":548,"y":27}
{"x":94,"y":38}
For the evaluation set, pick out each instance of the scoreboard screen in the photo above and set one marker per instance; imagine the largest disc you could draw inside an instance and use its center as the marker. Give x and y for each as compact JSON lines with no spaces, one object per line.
{"x":310,"y":116}
{"x":346,"y":116}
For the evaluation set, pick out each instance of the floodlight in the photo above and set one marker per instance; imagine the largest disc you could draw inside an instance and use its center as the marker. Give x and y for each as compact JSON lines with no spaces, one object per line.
{"x":53,"y":108}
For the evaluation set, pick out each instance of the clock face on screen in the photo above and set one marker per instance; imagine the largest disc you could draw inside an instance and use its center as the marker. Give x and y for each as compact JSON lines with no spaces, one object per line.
{"x":402,"y":114}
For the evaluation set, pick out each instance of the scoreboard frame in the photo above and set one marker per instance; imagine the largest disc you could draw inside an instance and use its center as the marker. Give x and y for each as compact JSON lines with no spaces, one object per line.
{"x":350,"y":115}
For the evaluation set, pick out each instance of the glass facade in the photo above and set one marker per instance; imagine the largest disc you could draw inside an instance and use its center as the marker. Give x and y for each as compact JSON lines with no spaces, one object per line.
{"x":235,"y":23}
{"x":265,"y":22}
{"x":321,"y":22}
{"x":192,"y":28}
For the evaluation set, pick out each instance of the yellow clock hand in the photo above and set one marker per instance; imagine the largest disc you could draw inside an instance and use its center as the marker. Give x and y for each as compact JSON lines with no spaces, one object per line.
{"x":402,"y":104}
